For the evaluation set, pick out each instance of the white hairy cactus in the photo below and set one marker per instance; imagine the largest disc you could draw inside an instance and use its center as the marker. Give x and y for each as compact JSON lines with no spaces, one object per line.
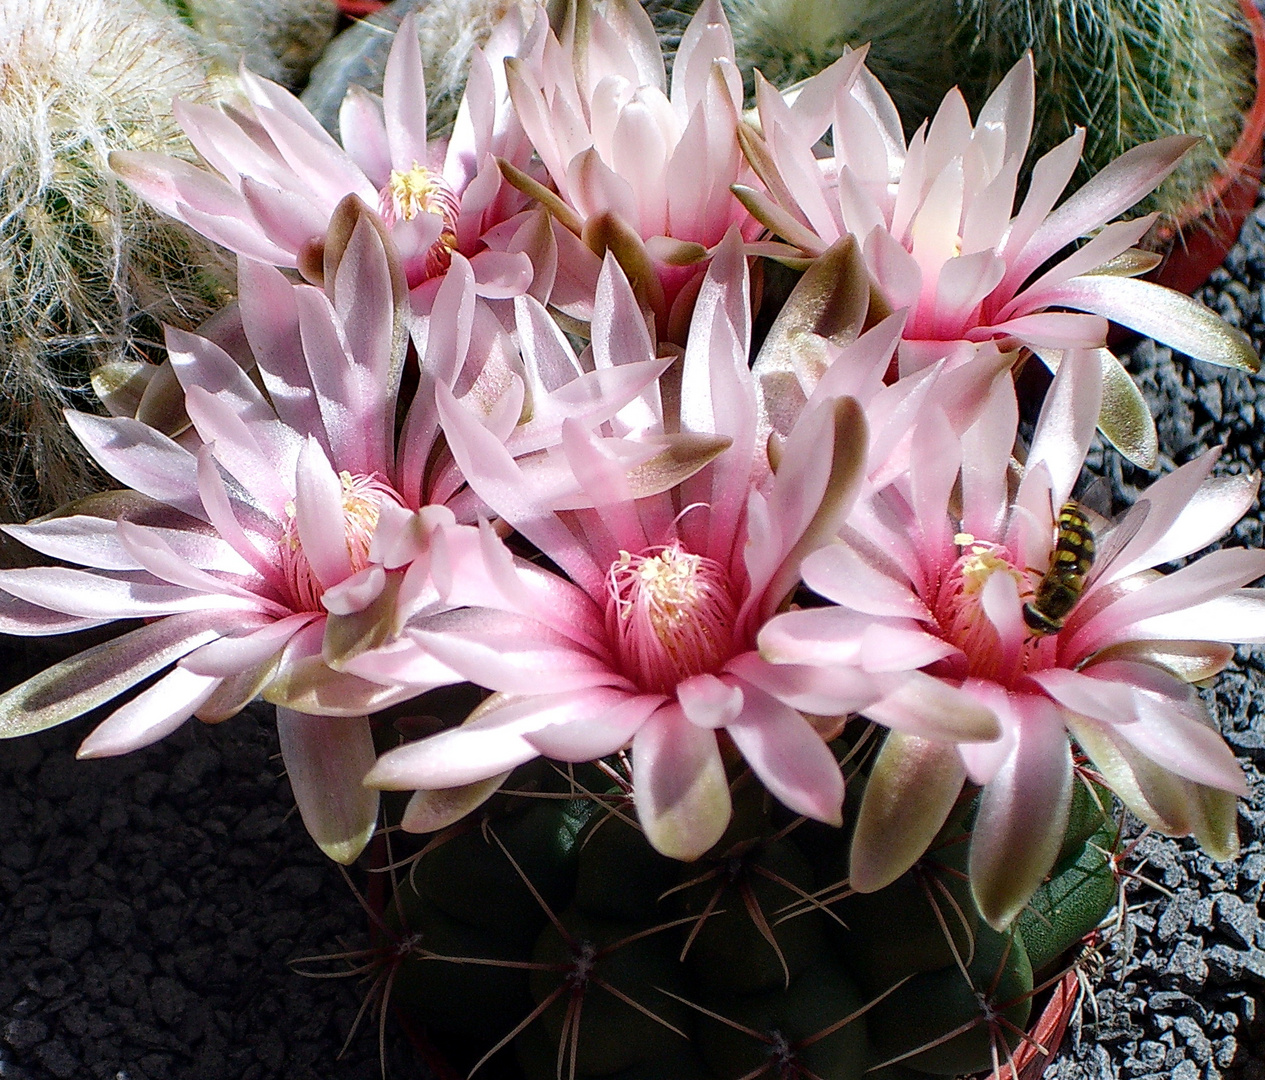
{"x":87,"y":272}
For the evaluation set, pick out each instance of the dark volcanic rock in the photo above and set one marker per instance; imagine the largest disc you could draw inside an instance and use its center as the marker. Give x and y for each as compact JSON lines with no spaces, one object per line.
{"x":147,"y":930}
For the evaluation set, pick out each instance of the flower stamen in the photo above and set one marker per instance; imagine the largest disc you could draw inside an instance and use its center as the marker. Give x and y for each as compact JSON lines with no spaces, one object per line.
{"x":670,"y":614}
{"x":362,"y":497}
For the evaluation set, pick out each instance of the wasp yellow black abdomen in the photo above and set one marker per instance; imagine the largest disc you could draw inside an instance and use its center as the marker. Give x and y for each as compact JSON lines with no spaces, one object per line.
{"x":1064,"y":581}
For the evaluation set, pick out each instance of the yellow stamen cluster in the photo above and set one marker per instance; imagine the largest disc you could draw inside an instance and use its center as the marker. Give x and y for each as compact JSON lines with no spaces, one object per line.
{"x":362,"y":497}
{"x":673,"y":616}
{"x":416,"y":191}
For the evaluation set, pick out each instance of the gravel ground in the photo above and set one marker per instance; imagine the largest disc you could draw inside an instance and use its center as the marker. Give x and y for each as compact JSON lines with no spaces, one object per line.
{"x":153,"y":904}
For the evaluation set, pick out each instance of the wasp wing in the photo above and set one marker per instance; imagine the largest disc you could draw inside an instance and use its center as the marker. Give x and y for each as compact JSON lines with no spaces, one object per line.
{"x":1116,"y":538}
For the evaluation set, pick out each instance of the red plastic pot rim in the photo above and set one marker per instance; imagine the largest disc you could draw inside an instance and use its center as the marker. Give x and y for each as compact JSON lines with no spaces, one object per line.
{"x":1046,"y":1036}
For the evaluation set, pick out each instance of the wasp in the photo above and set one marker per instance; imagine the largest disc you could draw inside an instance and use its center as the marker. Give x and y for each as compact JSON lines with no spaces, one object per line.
{"x":1073,"y":567}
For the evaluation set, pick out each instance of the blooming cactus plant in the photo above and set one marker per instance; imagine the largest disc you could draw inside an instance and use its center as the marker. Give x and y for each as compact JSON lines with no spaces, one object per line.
{"x":525,"y":445}
{"x":243,"y":545}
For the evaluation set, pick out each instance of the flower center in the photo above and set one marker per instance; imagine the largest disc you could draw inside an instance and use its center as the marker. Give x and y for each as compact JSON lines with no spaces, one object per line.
{"x":420,"y":191}
{"x":670,"y":615}
{"x":959,"y":604}
{"x":362,"y":496}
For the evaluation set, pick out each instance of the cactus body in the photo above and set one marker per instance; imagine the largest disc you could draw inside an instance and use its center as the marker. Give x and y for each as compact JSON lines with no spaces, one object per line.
{"x":754,"y":960}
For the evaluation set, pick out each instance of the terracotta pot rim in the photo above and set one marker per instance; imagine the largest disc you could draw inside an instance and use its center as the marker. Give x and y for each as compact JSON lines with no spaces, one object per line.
{"x":358,"y":9}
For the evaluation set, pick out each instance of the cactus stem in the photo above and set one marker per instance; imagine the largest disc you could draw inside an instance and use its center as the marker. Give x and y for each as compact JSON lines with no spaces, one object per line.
{"x":992,"y":1015}
{"x":782,"y":1052}
{"x":380,"y":965}
{"x":856,"y":1014}
{"x":578,"y":974}
{"x":522,"y":1026}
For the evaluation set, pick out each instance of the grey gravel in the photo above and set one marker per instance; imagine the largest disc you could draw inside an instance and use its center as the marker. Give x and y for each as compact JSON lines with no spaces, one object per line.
{"x":151,"y":905}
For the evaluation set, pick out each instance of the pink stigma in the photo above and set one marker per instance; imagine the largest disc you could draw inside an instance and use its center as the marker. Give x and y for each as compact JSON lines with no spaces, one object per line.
{"x":670,"y":615}
{"x":362,"y":495}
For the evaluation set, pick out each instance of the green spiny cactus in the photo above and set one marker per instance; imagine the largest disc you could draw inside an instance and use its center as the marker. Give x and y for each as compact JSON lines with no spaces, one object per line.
{"x":790,"y":40}
{"x":548,"y":938}
{"x":1128,"y":71}
{"x":86,"y":272}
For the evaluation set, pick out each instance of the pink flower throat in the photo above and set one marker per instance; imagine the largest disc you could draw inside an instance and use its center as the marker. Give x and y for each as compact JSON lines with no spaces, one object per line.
{"x":415,"y":191}
{"x":362,"y":496}
{"x":670,"y":615}
{"x":957,"y":604}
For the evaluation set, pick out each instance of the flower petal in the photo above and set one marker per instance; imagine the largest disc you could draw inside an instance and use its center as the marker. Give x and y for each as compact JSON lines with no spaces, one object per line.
{"x":789,"y":757}
{"x":708,"y":701}
{"x":96,"y":675}
{"x":142,"y":459}
{"x":598,"y":735}
{"x":432,"y":810}
{"x":923,"y":705}
{"x":150,"y":715}
{"x":679,"y":785}
{"x":1022,"y":813}
{"x":491,"y":740}
{"x":1171,"y":317}
{"x":326,"y":759}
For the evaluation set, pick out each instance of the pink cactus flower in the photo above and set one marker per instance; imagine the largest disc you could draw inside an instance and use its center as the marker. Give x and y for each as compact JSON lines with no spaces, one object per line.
{"x":937,"y":591}
{"x":227,"y":549}
{"x":649,"y":639}
{"x":263,"y":546}
{"x":279,"y":175}
{"x":639,"y":167}
{"x":936,"y":223}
